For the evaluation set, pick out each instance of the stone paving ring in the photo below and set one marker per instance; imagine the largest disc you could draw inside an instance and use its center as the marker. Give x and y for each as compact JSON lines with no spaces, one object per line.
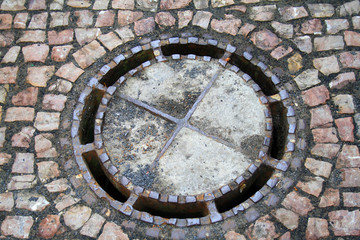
{"x":183,"y":131}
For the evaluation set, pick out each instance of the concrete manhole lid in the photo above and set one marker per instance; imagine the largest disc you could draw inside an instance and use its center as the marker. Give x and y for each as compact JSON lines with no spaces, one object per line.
{"x":184,"y":127}
{"x":175,"y":129}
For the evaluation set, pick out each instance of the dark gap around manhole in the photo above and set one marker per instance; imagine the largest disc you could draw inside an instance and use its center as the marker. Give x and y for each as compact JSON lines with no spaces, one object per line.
{"x":126,"y":65}
{"x":265,"y":83}
{"x":199,"y":50}
{"x":171,"y":210}
{"x":250,"y":187}
{"x":280,"y":130}
{"x":87,"y":123}
{"x":92,"y":160}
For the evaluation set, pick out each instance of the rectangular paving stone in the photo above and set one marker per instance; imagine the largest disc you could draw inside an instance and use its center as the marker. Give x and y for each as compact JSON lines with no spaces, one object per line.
{"x":38,"y":21}
{"x":350,"y":177}
{"x":345,"y":223}
{"x":329,"y":43}
{"x":126,"y":34}
{"x":59,"y":19}
{"x":15,"y":114}
{"x":13,"y":5}
{"x":20,"y":20}
{"x":47,"y":121}
{"x":39,"y":76}
{"x":87,"y":55}
{"x":61,"y":37}
{"x":24,"y":163}
{"x":8,"y":74}
{"x":22,"y":182}
{"x":351,"y":199}
{"x":334,"y":26}
{"x":350,"y":59}
{"x":110,"y":40}
{"x":5,"y":21}
{"x":321,"y":10}
{"x":32,"y":36}
{"x":69,"y":72}
{"x":342,"y":80}
{"x":35,"y":53}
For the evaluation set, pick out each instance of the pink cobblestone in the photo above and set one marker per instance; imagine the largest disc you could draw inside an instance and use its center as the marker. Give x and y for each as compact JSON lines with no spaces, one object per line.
{"x":350,"y":177}
{"x":16,"y":114}
{"x":291,"y":13}
{"x":8,"y":74}
{"x":37,"y":5}
{"x":352,"y":38}
{"x":265,"y":39}
{"x":17,"y":226}
{"x":54,"y":102}
{"x":27,"y":97}
{"x":35,"y":53}
{"x":69,"y":72}
{"x":60,"y":53}
{"x":316,"y":95}
{"x":84,"y":18}
{"x":312,"y":26}
{"x":319,"y":168}
{"x":350,"y":59}
{"x":24,"y":163}
{"x":348,"y":157}
{"x":325,"y":135}
{"x":351,"y":199}
{"x":320,"y":116}
{"x":331,"y":197}
{"x":38,"y":21}
{"x":105,"y":19}
{"x":173,"y":4}
{"x":229,"y":26}
{"x":110,"y":40}
{"x":59,"y":19}
{"x":327,"y":65}
{"x":345,"y":128}
{"x":297,"y":203}
{"x":87,"y":55}
{"x":144,"y":26}
{"x":39,"y":76}
{"x":20,"y":20}
{"x":344,"y":223}
{"x":334,"y":26}
{"x":32,"y":36}
{"x":5,"y":21}
{"x":184,"y":18}
{"x":329,"y":43}
{"x":165,"y":19}
{"x":325,"y":150}
{"x":123,"y":4}
{"x":281,"y":52}
{"x":62,"y":37}
{"x":23,"y":138}
{"x":49,"y":226}
{"x":342,"y":80}
{"x":127,"y":17}
{"x":246,"y":29}
{"x":311,"y":185}
{"x":11,"y":55}
{"x":317,"y":228}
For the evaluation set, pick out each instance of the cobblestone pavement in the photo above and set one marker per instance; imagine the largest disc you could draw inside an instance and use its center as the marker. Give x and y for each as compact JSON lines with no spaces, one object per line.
{"x":51,"y":48}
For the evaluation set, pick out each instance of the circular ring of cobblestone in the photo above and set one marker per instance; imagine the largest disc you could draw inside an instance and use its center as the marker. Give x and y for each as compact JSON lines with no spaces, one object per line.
{"x":94,"y":150}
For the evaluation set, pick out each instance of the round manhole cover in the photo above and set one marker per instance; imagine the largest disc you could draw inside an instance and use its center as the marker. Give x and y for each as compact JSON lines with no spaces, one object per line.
{"x":176,"y":132}
{"x":183,"y":127}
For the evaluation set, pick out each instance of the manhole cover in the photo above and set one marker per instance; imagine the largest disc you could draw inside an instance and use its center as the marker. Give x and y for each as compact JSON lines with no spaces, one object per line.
{"x":183,"y":131}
